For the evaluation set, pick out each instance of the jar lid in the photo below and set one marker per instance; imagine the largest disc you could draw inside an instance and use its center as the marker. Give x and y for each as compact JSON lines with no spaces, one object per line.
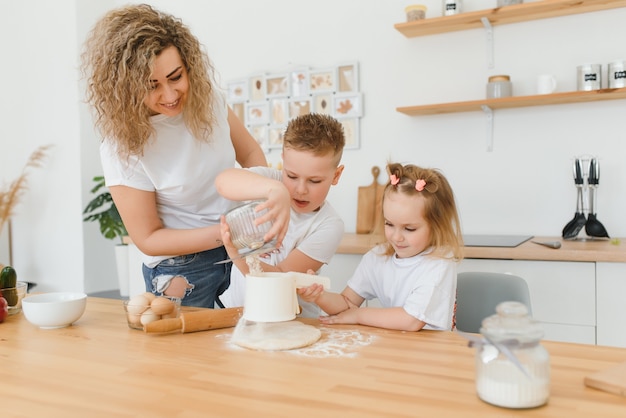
{"x":415,"y":7}
{"x":499,"y":78}
{"x":511,"y":321}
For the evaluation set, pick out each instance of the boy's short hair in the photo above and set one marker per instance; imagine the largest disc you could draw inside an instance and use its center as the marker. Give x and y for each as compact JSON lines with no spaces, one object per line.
{"x":316,"y":133}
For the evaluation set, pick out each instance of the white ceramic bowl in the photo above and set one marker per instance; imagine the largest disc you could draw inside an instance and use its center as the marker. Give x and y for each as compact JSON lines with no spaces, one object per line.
{"x":54,"y":310}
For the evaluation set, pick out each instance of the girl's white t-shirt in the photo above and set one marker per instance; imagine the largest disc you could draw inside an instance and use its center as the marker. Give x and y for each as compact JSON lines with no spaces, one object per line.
{"x":424,"y":285}
{"x":180,"y":170}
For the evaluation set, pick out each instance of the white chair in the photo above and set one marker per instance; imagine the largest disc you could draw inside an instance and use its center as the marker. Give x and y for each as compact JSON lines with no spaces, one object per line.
{"x":478,"y":294}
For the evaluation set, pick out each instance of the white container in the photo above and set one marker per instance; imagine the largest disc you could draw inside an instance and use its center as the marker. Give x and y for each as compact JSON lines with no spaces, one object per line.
{"x":519,"y":382}
{"x":452,"y":7}
{"x":271,"y":297}
{"x":617,"y":74}
{"x":589,"y":77}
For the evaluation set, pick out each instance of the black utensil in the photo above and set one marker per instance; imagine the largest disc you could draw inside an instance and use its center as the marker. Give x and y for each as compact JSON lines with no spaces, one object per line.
{"x":594,"y":227}
{"x":573,"y":227}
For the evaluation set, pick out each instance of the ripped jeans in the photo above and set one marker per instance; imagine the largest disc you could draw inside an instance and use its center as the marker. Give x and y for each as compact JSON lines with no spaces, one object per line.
{"x":193,"y":277}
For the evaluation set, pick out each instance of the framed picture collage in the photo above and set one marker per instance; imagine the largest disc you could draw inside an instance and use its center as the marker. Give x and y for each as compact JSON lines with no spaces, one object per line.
{"x":265,"y":102}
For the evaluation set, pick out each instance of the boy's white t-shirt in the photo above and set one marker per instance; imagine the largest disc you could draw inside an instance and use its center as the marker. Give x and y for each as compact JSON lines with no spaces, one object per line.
{"x":180,"y":170}
{"x":316,"y":234}
{"x":424,"y":285}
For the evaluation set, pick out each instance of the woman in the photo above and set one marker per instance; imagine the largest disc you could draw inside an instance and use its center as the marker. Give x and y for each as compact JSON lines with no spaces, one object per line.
{"x":168,"y":133}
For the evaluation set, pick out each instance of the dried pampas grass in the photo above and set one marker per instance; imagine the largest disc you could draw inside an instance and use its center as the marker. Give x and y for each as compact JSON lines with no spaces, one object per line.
{"x":10,"y":197}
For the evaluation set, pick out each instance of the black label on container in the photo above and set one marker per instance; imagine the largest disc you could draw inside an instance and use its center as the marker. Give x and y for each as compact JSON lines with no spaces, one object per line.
{"x":591,"y":77}
{"x":619,"y":74}
{"x":450,"y":6}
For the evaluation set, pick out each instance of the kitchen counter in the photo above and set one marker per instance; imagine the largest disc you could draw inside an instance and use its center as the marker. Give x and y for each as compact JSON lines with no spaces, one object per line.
{"x":579,"y":250}
{"x":100,"y":367}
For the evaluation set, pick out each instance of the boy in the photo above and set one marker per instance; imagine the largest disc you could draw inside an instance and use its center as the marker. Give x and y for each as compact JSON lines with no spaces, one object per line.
{"x":312,"y":149}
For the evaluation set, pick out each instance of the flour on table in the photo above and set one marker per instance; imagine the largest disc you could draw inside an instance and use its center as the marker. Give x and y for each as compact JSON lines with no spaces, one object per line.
{"x":275,"y":335}
{"x":333,"y":342}
{"x":336,"y":343}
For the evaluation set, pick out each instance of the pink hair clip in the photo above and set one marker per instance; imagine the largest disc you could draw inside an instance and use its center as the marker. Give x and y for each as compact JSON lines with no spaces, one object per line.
{"x":394,"y":179}
{"x":420,"y":184}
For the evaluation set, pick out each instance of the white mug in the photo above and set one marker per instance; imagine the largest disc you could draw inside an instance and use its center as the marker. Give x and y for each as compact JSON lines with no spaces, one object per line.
{"x":546,"y":84}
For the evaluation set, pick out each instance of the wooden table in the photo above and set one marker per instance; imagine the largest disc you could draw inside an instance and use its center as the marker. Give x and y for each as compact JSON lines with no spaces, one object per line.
{"x":100,"y":367}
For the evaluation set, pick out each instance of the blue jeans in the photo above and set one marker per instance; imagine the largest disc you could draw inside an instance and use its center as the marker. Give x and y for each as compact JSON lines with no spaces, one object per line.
{"x":206,"y":280}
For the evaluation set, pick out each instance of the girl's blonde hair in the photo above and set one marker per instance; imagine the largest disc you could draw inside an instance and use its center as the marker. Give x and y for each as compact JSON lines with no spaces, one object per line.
{"x":118,"y":59}
{"x":439,"y":205}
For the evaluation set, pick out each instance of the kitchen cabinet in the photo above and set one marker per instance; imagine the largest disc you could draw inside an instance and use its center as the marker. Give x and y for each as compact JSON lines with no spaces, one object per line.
{"x":611,"y":309}
{"x":562,"y":294}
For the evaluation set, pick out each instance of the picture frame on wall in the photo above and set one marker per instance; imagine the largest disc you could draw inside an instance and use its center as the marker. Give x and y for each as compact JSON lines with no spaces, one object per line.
{"x":275,"y":137}
{"x":322,"y":80}
{"x":347,"y":106}
{"x":239,"y":110}
{"x":323,"y":103}
{"x":257,"y":87}
{"x":260,"y":134}
{"x":348,"y":78}
{"x":299,"y":82}
{"x":279,"y":111}
{"x":238,"y":91}
{"x":351,"y":133}
{"x":257,"y":113}
{"x":299,"y":107}
{"x":277,"y":85}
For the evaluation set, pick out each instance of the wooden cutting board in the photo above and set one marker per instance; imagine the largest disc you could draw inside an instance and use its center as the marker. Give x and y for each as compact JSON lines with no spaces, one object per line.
{"x":611,"y":380}
{"x":369,"y":218}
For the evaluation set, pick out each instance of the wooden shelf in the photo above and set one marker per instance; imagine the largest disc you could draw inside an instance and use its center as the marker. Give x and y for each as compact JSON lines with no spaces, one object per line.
{"x":515,"y":101}
{"x":504,"y":15}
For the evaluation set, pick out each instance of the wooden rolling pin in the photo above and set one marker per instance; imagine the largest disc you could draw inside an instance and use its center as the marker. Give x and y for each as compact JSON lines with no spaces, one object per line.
{"x":193,"y":321}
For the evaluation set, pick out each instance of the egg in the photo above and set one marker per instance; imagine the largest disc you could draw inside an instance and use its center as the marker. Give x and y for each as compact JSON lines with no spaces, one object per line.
{"x":137,"y":305}
{"x":148,"y":316}
{"x":150,"y":296}
{"x":162,"y":306}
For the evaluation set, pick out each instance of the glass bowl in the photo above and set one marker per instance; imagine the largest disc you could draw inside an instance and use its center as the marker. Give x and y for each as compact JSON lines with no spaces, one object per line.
{"x":143,"y":309}
{"x":14,"y":296}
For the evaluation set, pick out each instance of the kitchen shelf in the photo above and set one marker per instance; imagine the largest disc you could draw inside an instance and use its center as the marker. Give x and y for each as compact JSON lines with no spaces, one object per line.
{"x":514,"y":102}
{"x":504,"y":15}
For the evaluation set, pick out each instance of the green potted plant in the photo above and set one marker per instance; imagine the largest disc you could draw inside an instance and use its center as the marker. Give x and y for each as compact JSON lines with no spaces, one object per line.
{"x":103,"y":210}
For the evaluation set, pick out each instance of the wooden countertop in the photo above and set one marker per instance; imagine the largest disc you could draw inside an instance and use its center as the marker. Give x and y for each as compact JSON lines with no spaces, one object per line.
{"x":100,"y":367}
{"x":579,"y":250}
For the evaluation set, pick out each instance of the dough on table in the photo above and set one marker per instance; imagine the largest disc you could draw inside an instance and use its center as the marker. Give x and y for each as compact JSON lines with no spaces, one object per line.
{"x":275,"y":335}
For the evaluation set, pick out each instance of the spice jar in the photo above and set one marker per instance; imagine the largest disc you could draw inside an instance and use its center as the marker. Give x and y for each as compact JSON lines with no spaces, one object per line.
{"x":499,"y":86}
{"x":415,"y":12}
{"x":512,"y":367}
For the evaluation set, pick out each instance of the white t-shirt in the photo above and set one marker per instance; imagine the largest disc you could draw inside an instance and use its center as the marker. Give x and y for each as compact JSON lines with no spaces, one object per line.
{"x":316,"y":234}
{"x":425,"y":286}
{"x":180,"y":170}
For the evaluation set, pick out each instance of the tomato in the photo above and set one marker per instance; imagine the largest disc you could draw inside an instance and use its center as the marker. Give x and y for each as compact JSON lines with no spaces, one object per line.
{"x":4,"y":309}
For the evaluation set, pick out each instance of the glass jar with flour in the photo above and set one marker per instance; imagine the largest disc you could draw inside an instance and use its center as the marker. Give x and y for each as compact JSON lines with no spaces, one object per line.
{"x":512,"y":367}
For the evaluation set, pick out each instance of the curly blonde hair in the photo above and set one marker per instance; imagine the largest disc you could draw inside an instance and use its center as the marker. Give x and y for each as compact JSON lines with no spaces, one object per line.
{"x":118,"y":60}
{"x":440,"y":209}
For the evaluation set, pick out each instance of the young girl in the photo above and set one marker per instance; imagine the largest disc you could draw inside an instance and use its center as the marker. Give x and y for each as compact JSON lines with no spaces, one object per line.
{"x":413,"y":275}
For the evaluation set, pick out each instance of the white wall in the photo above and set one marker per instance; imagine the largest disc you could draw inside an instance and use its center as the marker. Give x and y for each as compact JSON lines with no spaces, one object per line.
{"x":523,"y":186}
